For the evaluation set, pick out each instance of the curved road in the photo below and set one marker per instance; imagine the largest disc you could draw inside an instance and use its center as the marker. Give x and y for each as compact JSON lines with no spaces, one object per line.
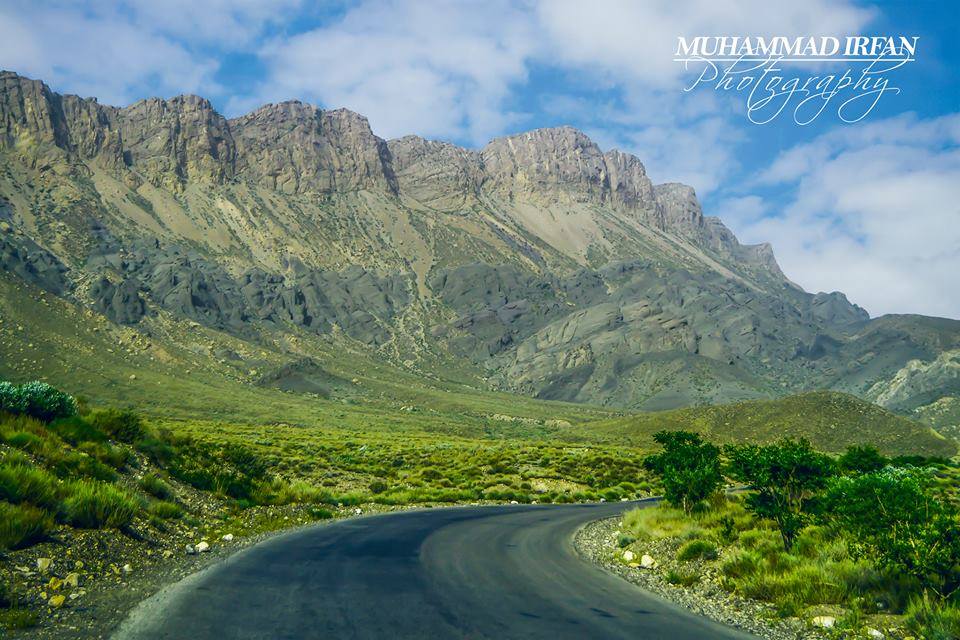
{"x":474,"y":572}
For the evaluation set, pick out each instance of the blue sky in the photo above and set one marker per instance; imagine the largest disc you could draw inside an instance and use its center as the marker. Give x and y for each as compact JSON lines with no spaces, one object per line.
{"x":870,"y":208}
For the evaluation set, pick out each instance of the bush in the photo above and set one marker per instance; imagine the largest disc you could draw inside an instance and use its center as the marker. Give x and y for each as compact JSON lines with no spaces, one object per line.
{"x":683,"y":578}
{"x":22,"y":525}
{"x":893,"y":515}
{"x":165,"y":510}
{"x":786,"y":475}
{"x":378,"y":486}
{"x":95,"y":505}
{"x":862,"y":459}
{"x":697,"y":550}
{"x":688,"y":467}
{"x":123,"y":425}
{"x":37,"y":399}
{"x":21,"y":483}
{"x":155,"y":486}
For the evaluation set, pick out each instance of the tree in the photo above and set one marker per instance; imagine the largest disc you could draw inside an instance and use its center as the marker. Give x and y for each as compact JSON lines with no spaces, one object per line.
{"x":786,"y":476}
{"x":689,"y":468}
{"x":894,"y":515}
{"x":862,"y":459}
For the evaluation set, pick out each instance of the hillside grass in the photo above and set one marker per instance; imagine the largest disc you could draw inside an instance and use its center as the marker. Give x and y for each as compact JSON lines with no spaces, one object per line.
{"x":830,"y":420}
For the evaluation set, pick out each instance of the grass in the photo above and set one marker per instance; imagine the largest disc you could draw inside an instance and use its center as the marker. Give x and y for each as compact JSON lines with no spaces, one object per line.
{"x":154,"y":485}
{"x":165,"y":510}
{"x":22,"y":525}
{"x":93,"y":505}
{"x":821,"y":570}
{"x":21,"y":482}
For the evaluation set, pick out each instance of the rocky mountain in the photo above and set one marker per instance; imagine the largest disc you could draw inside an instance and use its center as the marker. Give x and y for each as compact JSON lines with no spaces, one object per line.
{"x":538,"y":264}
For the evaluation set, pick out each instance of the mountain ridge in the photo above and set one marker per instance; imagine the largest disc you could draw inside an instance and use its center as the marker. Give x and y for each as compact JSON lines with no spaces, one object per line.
{"x":538,"y":264}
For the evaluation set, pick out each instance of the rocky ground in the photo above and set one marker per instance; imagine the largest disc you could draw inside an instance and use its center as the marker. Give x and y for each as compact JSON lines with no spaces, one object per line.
{"x":598,"y":543}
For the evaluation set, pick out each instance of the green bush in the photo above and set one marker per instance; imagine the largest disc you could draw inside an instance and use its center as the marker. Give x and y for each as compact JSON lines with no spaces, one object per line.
{"x":688,"y":467}
{"x":697,"y":550}
{"x":155,"y":486}
{"x":787,"y":476}
{"x":862,"y":459}
{"x":683,"y":578}
{"x":378,"y":486}
{"x":95,"y":505}
{"x":21,"y":483}
{"x":36,"y":399}
{"x":123,"y":425}
{"x":22,"y":525}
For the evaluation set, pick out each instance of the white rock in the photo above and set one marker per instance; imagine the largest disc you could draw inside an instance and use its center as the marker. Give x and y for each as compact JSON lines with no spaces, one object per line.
{"x":647,"y":561}
{"x":603,"y":499}
{"x":825,"y":622}
{"x":191,"y":550}
{"x":624,"y":499}
{"x":127,"y":568}
{"x":228,"y":537}
{"x":514,"y":502}
{"x":44,"y":564}
{"x":357,"y":511}
{"x":203,"y":547}
{"x":875,"y":633}
{"x":628,"y":555}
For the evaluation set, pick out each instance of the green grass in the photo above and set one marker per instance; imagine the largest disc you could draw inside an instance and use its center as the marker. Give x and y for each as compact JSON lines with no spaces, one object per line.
{"x":165,"y":510}
{"x":22,"y":525}
{"x":697,"y":550}
{"x":21,"y":482}
{"x":155,"y":486}
{"x":93,"y":505}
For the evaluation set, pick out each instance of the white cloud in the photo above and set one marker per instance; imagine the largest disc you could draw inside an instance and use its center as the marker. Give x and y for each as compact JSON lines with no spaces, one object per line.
{"x":436,"y":69}
{"x":874,"y":212}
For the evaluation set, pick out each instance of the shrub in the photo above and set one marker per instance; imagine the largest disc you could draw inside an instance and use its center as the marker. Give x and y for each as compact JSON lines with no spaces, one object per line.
{"x":124,"y":425}
{"x":624,"y":540}
{"x":39,"y":400}
{"x":786,"y":476}
{"x":688,"y":467}
{"x":893,"y":515}
{"x":155,"y":486}
{"x":933,"y":620}
{"x":22,"y":525}
{"x":743,"y":564}
{"x":697,"y":550}
{"x":862,"y":459}
{"x":165,"y":510}
{"x":95,"y":505}
{"x":378,"y":486}
{"x":25,"y":483}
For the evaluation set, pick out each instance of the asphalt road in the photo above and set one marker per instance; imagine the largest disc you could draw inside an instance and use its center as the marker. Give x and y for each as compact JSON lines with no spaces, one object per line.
{"x":475,"y":572}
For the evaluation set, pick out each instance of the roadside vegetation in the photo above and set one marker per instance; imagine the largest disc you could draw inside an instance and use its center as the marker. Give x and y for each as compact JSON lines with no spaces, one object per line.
{"x":68,"y":471}
{"x":858,"y":545}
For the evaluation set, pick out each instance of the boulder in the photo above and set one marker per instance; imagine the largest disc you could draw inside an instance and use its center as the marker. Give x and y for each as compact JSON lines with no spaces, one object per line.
{"x":824,"y":622}
{"x":628,"y":556}
{"x":203,"y":547}
{"x":647,"y":561}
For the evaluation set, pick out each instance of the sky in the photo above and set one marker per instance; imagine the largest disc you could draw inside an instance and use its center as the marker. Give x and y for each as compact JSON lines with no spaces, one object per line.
{"x":870,"y":208}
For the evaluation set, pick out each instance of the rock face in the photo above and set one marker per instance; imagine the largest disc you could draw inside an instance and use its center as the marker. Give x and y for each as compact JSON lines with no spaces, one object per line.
{"x":540,"y":263}
{"x":296,"y":148}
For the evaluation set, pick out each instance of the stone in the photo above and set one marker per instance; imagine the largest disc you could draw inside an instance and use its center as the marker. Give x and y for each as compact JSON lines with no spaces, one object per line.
{"x":357,"y":511}
{"x":72,"y":580}
{"x":191,"y":550}
{"x":647,"y":561}
{"x":44,"y":564}
{"x":824,"y":622}
{"x":167,"y":554}
{"x":628,"y":555}
{"x":127,"y":569}
{"x":57,"y":601}
{"x":54,"y":584}
{"x":228,"y":537}
{"x":875,"y":633}
{"x":203,"y":547}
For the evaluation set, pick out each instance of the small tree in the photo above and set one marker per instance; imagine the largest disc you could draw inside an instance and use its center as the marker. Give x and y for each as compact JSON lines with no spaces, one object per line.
{"x":862,"y":459}
{"x":893,"y":515}
{"x":688,"y":467}
{"x":785,"y":475}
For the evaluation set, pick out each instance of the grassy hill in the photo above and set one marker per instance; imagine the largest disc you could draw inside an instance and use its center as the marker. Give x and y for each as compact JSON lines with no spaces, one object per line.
{"x":830,"y":420}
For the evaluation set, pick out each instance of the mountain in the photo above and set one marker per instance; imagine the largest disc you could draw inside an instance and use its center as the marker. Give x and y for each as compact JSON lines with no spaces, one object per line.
{"x":539,"y":264}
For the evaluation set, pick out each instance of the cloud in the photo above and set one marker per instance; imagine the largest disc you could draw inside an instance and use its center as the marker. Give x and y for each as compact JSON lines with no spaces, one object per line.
{"x":873,"y":211}
{"x":123,"y":50}
{"x":436,"y":69}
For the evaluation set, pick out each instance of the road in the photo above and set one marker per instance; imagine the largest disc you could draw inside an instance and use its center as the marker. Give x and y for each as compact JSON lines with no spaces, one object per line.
{"x":473,"y":572}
